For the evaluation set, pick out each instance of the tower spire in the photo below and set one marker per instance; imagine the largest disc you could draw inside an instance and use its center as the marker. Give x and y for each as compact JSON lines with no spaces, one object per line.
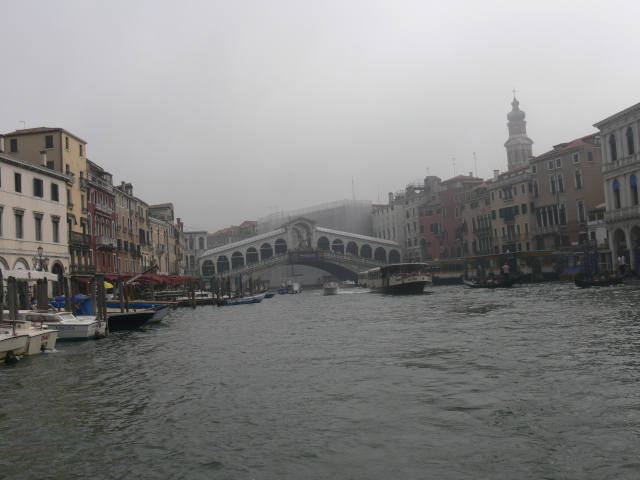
{"x":518,"y":144}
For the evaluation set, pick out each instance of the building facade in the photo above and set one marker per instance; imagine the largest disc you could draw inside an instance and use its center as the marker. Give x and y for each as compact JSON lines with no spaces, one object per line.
{"x":620,"y":152}
{"x":441,"y":223}
{"x":101,"y":205}
{"x":477,"y":231}
{"x":63,"y":152}
{"x":567,"y":185}
{"x":32,"y":214}
{"x":512,"y":210}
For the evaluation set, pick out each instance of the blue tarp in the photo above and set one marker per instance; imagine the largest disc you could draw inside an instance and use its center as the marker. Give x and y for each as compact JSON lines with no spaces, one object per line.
{"x":573,"y":270}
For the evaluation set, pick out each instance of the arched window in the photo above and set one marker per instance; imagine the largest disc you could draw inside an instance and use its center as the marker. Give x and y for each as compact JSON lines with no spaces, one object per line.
{"x":581,"y":216}
{"x":578,"y":178}
{"x":536,"y":193}
{"x":201,"y":243}
{"x":630,"y":148}
{"x":616,"y":193}
{"x":560,"y":184}
{"x":552,"y":184}
{"x":633,"y":183}
{"x":612,"y":147}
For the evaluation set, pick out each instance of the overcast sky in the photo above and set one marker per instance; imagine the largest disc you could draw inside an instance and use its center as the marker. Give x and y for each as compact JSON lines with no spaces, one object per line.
{"x":233,"y":110}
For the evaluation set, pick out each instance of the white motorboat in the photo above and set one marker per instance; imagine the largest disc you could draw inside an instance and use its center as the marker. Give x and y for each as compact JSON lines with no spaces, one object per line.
{"x":41,"y":337}
{"x":330,"y":288}
{"x":15,"y":343}
{"x":68,"y":326}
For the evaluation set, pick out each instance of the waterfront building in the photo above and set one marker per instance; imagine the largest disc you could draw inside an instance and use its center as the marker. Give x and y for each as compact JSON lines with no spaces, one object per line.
{"x":399,"y":220}
{"x":620,"y":152}
{"x":33,"y":212}
{"x":132,"y":226}
{"x":512,"y":210}
{"x":567,"y":185}
{"x":232,"y":234}
{"x":159,"y":244}
{"x":476,"y":231}
{"x":63,"y":152}
{"x":182,"y":246}
{"x":164,"y":213}
{"x":441,"y":224}
{"x":101,"y":206}
{"x":388,"y":220}
{"x":195,"y":245}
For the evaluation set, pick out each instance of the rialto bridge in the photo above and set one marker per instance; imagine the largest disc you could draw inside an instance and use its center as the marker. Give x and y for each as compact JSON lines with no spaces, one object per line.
{"x":300,"y":241}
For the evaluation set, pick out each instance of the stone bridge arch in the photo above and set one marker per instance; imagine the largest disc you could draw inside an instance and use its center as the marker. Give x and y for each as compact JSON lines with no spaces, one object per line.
{"x":297,"y":235}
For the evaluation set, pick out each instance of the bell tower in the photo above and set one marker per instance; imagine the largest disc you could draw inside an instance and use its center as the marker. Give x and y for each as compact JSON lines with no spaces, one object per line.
{"x":518,"y":145}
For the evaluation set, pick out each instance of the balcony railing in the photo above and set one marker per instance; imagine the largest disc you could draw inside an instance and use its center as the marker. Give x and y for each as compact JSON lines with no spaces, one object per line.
{"x":622,"y":213}
{"x":77,"y":238}
{"x":82,"y":269}
{"x":511,"y":238}
{"x":100,"y":183}
{"x":103,"y":209}
{"x":629,"y":160}
{"x":83,"y":183}
{"x":103,"y":241}
{"x":546,"y":230}
{"x":482,"y":230}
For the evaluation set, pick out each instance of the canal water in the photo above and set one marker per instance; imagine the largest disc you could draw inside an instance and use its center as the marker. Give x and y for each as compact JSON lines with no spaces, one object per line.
{"x":537,"y":382}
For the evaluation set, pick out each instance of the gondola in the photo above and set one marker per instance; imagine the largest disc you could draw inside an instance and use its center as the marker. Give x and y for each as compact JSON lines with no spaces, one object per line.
{"x":503,"y":284}
{"x":583,"y":282}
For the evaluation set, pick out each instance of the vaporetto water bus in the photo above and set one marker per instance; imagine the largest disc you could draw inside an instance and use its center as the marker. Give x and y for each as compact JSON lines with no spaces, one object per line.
{"x":396,"y":279}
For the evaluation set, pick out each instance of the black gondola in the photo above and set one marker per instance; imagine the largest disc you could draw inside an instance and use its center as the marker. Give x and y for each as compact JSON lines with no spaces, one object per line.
{"x":128,"y":320}
{"x":583,"y":282}
{"x":511,"y":281}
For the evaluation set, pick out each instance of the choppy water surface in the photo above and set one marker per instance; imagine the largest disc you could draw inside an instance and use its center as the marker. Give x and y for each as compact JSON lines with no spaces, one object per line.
{"x":537,"y":382}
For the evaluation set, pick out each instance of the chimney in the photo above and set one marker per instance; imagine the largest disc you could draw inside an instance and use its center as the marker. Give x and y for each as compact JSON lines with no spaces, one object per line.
{"x":1,"y":144}
{"x":471,"y":174}
{"x":43,"y":158}
{"x":390,"y":197}
{"x":495,"y":174}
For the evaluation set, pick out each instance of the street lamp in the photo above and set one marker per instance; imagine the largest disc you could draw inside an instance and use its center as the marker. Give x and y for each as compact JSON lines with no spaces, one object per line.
{"x":41,"y":264}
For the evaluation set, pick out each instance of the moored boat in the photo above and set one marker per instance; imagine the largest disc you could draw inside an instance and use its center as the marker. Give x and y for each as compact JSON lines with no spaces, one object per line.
{"x":583,"y":282}
{"x":128,"y":320}
{"x":67,"y":325}
{"x":493,"y":282}
{"x":159,"y":313}
{"x":12,"y":343}
{"x":396,"y":279}
{"x":330,"y":288}
{"x":40,"y":337}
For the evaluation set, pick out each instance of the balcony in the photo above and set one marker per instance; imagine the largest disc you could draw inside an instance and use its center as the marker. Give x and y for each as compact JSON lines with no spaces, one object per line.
{"x":104,"y":209}
{"x":622,"y":213}
{"x":105,"y":242}
{"x":511,"y":238}
{"x":76,"y":238}
{"x":98,"y":182}
{"x":548,"y":230}
{"x":83,"y":183}
{"x":82,"y":269}
{"x":629,"y":160}
{"x":482,"y":231}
